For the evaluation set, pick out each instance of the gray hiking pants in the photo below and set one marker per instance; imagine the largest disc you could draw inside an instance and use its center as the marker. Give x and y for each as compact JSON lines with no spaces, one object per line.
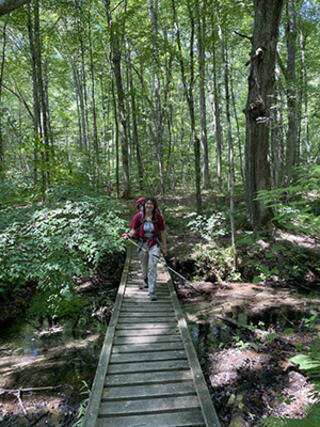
{"x":149,"y":265}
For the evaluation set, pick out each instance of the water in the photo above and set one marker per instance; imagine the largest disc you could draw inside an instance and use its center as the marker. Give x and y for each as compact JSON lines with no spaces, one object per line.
{"x":215,"y":335}
{"x":55,"y":355}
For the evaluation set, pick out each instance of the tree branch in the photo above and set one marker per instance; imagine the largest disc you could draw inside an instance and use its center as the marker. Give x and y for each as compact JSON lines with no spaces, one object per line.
{"x":20,"y":97}
{"x":244,"y":36}
{"x":7,"y":6}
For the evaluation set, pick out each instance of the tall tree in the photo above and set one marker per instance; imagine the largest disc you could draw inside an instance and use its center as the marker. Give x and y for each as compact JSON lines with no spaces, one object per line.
{"x":292,"y":133}
{"x":201,"y":31}
{"x":304,"y":78}
{"x":225,"y":64}
{"x":2,"y":59}
{"x":40,"y":106}
{"x":217,"y":106}
{"x":115,"y":53}
{"x":158,"y":113}
{"x":189,"y":95}
{"x":267,"y":14}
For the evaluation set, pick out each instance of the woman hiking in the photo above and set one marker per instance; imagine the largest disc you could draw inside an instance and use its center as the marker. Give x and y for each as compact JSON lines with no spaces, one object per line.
{"x":148,"y":226}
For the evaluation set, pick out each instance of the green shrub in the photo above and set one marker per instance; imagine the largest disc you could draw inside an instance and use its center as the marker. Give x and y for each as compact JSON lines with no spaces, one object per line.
{"x":52,"y":244}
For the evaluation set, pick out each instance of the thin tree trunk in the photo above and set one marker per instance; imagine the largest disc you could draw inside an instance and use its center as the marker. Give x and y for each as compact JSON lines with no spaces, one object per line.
{"x":277,"y":151}
{"x":292,"y":133}
{"x":238,"y":126}
{"x":116,"y":68}
{"x":303,"y":40}
{"x":229,"y":133}
{"x":188,"y":91}
{"x":201,"y":31}
{"x":158,"y":114}
{"x":116,"y":138}
{"x":217,"y":110}
{"x":42,"y":103}
{"x":135,"y":136}
{"x":83,"y":86}
{"x":78,"y":102}
{"x":94,"y":111}
{"x":3,"y":57}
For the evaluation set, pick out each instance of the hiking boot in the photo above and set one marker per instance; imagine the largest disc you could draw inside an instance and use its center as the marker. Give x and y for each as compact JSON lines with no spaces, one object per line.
{"x":153,"y":297}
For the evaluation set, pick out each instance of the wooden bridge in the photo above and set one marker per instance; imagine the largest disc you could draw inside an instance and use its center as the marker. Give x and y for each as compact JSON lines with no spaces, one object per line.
{"x":148,"y":372}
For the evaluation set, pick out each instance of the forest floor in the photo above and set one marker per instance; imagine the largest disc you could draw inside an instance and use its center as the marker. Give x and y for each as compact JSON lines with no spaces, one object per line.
{"x":245,"y":334}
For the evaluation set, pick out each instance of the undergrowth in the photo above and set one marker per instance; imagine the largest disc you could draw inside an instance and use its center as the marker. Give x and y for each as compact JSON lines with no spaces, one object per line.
{"x":53,"y":243}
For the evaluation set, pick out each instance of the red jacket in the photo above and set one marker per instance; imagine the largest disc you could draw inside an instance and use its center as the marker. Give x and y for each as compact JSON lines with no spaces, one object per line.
{"x":137,"y":224}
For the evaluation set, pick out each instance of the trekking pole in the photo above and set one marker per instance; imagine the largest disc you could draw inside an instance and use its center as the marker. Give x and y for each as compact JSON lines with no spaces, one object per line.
{"x":165,"y":264}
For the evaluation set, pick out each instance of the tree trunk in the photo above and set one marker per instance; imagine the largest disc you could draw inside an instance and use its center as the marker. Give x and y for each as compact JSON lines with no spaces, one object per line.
{"x":257,"y":111}
{"x":84,"y":96}
{"x":78,"y":102}
{"x":116,"y":68}
{"x":3,"y":57}
{"x":237,"y":124}
{"x":40,"y":107}
{"x":188,"y":91}
{"x":217,"y":110}
{"x":292,"y":134}
{"x":277,"y":151}
{"x":303,"y":40}
{"x":135,"y":135}
{"x":201,"y":30}
{"x":94,"y":111}
{"x":158,"y":114}
{"x":229,"y":133}
{"x":115,"y":111}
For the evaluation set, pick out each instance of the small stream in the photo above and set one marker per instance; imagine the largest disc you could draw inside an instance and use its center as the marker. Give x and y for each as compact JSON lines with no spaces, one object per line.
{"x":53,"y":363}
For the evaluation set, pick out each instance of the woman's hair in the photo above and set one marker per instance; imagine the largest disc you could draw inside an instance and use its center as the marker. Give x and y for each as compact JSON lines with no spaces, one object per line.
{"x":155,"y":204}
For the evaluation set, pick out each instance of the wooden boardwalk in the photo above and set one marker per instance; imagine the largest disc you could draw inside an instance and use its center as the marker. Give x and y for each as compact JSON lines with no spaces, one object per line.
{"x":148,"y":372}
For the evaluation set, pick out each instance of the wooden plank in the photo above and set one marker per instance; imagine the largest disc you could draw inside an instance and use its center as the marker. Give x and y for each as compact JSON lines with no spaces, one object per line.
{"x":134,"y":407}
{"x":153,"y":313}
{"x":192,"y":418}
{"x":160,"y":299}
{"x":148,"y":356}
{"x":146,"y":318}
{"x":144,"y":332}
{"x":147,"y":339}
{"x":148,"y":309}
{"x":97,"y":387}
{"x":132,"y":348}
{"x":148,"y":377}
{"x":155,"y":367}
{"x":183,"y":388}
{"x":207,"y":407}
{"x":125,"y":325}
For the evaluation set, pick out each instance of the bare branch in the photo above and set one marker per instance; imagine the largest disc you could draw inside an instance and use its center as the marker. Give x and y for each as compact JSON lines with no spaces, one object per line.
{"x":243,"y":35}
